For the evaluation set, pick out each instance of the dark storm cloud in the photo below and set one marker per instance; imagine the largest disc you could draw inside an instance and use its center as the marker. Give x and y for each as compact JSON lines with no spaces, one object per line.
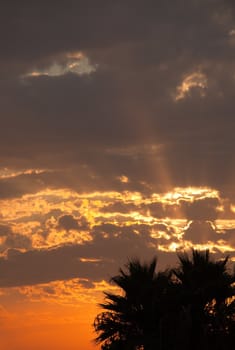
{"x":32,"y":30}
{"x":143,"y":52}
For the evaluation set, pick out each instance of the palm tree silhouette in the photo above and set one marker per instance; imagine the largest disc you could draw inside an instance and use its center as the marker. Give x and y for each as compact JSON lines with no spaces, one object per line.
{"x":205,"y":288}
{"x":189,"y":307}
{"x":133,"y":320}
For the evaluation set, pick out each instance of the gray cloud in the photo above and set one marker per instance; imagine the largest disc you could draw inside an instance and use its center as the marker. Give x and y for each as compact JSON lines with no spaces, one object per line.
{"x":86,"y":25}
{"x":68,"y":222}
{"x":18,"y":241}
{"x":20,"y":185}
{"x":5,"y":230}
{"x":201,"y":209}
{"x":197,"y":135}
{"x":64,"y":262}
{"x":201,"y":232}
{"x":11,"y":240}
{"x":120,"y":207}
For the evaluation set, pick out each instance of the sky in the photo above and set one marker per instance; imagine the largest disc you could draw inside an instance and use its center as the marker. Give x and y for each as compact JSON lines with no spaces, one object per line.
{"x":116,"y":141}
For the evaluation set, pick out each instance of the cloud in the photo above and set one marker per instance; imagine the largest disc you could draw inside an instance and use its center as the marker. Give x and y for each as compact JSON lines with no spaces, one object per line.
{"x":228,"y":236}
{"x":201,"y":232}
{"x":18,"y":241}
{"x":201,"y":209}
{"x":68,"y":222}
{"x":5,"y":230}
{"x":196,"y":134}
{"x":195,"y":80}
{"x":21,"y":184}
{"x":119,"y":207}
{"x":75,"y":63}
{"x":95,"y":260}
{"x":86,"y":98}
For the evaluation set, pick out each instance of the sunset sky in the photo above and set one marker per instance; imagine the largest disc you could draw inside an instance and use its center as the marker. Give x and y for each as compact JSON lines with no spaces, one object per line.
{"x":117,"y":140}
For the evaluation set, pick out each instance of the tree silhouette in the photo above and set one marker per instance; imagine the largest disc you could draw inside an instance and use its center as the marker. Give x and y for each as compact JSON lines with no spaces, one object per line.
{"x":132,"y":320}
{"x":191,"y":306}
{"x":205,"y":290}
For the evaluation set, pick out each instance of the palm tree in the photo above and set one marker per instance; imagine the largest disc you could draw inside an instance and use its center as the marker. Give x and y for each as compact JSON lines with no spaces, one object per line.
{"x":205,"y":288}
{"x":132,"y":320}
{"x":190,"y":307}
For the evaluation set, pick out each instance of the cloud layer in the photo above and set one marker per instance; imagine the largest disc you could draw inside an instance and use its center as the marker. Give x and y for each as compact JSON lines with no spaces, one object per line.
{"x":116,"y":139}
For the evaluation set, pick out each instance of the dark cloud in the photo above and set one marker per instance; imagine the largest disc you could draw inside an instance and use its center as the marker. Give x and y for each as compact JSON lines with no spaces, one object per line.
{"x":16,"y":241}
{"x":228,"y":236}
{"x":13,"y":240}
{"x":201,"y":209}
{"x":157,"y":210}
{"x":201,"y":232}
{"x":68,"y":222}
{"x":20,"y":185}
{"x":5,"y":230}
{"x":120,"y":207}
{"x":86,"y":25}
{"x":143,"y":52}
{"x":95,"y":260}
{"x":65,"y":262}
{"x":196,"y":139}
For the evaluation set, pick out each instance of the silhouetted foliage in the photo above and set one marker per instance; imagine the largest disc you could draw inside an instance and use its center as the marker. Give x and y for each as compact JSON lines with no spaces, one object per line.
{"x":205,"y":287}
{"x":188,"y":307}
